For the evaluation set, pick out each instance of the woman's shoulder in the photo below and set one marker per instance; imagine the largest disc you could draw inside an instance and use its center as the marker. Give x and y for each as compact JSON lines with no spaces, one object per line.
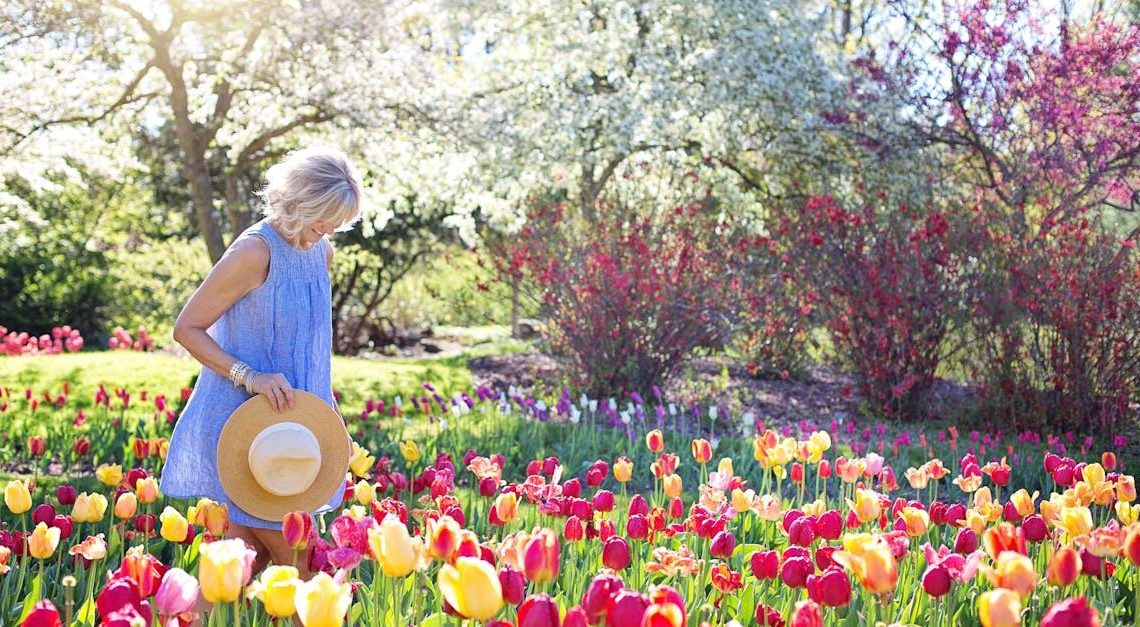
{"x":250,"y":247}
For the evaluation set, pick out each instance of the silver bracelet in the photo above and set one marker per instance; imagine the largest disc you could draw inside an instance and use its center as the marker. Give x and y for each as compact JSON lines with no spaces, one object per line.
{"x":247,"y":379}
{"x":238,"y":372}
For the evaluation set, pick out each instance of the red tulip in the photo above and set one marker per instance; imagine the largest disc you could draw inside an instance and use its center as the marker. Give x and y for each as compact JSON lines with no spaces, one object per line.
{"x":663,"y":615}
{"x":488,"y":487}
{"x":676,"y":508}
{"x":823,"y":557}
{"x":825,"y":469}
{"x":637,"y":527}
{"x":605,"y":529}
{"x":66,"y":494}
{"x":597,"y":473}
{"x":795,"y":570}
{"x":966,"y":542}
{"x":626,"y":608}
{"x":1108,"y":460}
{"x":722,"y":545}
{"x":542,"y":556}
{"x":936,"y":580}
{"x":765,"y":565}
{"x":767,"y":616}
{"x":1075,"y":612}
{"x":572,"y":488}
{"x":37,"y":444}
{"x":538,"y":610}
{"x":655,"y":441}
{"x":296,"y":528}
{"x":43,"y":614}
{"x":956,"y":514}
{"x":63,"y":523}
{"x":702,"y":451}
{"x":604,"y":501}
{"x":638,"y":505}
{"x":596,"y":599}
{"x":802,"y":532}
{"x":43,"y":513}
{"x":832,"y":588}
{"x":807,"y":614}
{"x":1094,"y":566}
{"x":573,"y":530}
{"x":829,"y":525}
{"x":1035,"y":528}
{"x":797,"y":473}
{"x":575,"y":617}
{"x":513,"y":585}
{"x":615,"y":553}
{"x":663,"y":595}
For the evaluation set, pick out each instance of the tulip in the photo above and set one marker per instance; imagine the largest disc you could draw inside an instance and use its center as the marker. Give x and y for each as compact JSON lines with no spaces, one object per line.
{"x":765,"y":565}
{"x":917,"y":521}
{"x":832,"y":588}
{"x":66,"y":494}
{"x":109,"y":475}
{"x":513,"y":585}
{"x":277,"y":590}
{"x":361,"y":461}
{"x":573,"y":530}
{"x":44,"y":614}
{"x":999,"y":608}
{"x":872,"y":561}
{"x":296,"y":529}
{"x":655,"y":440}
{"x":223,"y":569}
{"x":322,"y":602}
{"x":126,"y":505}
{"x":795,"y":570}
{"x":89,"y":508}
{"x":829,"y":525}
{"x":672,"y":485}
{"x":596,"y":598}
{"x":575,"y":617}
{"x":177,"y":593}
{"x":1013,"y":571}
{"x":364,"y":493}
{"x":1064,"y":567}
{"x":1130,"y":550}
{"x":676,"y":508}
{"x":17,"y":498}
{"x":174,"y":526}
{"x":663,"y":615}
{"x":626,"y":608}
{"x":936,"y":580}
{"x":43,"y":513}
{"x":637,"y":527}
{"x":801,"y":532}
{"x":43,"y":541}
{"x":391,"y":545}
{"x":215,"y":517}
{"x":410,"y":451}
{"x":806,"y":614}
{"x":471,"y":587}
{"x":506,"y":507}
{"x":604,"y":501}
{"x":541,"y":557}
{"x":702,"y":451}
{"x":722,"y":544}
{"x":623,"y":469}
{"x":1074,"y":612}
{"x":866,"y":505}
{"x":442,"y":537}
{"x":966,"y":541}
{"x":37,"y":444}
{"x":615,"y":553}
{"x":63,"y":523}
{"x":538,"y":611}
{"x":81,"y":446}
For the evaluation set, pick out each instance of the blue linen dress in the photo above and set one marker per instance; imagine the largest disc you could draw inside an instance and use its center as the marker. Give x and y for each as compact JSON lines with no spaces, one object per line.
{"x":284,"y":325}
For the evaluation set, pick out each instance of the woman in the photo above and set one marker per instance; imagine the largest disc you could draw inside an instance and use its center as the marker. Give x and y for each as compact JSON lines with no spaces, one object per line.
{"x":261,"y":323}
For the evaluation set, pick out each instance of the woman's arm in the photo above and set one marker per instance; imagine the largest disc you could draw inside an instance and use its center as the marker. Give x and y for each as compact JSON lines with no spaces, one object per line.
{"x":242,"y":269}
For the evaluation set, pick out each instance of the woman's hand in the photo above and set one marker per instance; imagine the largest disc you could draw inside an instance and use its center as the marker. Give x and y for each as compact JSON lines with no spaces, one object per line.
{"x":274,"y":387}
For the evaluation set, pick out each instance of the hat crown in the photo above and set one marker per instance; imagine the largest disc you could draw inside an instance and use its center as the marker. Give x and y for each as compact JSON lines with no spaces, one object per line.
{"x":285,"y":458}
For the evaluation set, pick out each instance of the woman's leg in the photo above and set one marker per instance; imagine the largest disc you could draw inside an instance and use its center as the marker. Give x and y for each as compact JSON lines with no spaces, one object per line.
{"x":247,"y":534}
{"x":281,"y":553}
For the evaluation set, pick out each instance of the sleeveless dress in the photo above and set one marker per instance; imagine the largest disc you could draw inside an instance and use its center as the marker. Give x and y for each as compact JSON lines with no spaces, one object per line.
{"x":284,"y":325}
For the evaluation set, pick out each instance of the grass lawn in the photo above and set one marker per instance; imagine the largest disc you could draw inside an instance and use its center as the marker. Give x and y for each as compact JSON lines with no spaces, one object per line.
{"x":161,"y":373}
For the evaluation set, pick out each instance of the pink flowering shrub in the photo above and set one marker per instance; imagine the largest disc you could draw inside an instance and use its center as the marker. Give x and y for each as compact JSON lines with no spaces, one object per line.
{"x":121,"y":340}
{"x":61,"y":339}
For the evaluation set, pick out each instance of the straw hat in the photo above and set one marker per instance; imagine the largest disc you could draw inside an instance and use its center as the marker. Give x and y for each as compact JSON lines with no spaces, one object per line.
{"x":273,"y":463}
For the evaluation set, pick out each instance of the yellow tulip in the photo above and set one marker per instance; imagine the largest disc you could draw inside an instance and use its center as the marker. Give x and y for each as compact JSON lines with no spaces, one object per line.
{"x":1126,"y":488}
{"x":410,"y":451}
{"x":724,"y":467}
{"x":213,"y":516}
{"x":821,"y":440}
{"x":472,"y":587}
{"x":174,"y":526}
{"x":43,"y":541}
{"x":672,"y":485}
{"x":623,"y":469}
{"x":364,"y":493}
{"x":1023,"y":502}
{"x":17,"y":497}
{"x":742,"y":501}
{"x":917,"y":521}
{"x":361,"y":461}
{"x":1076,"y":521}
{"x":277,"y":590}
{"x":1127,"y":513}
{"x":322,"y":602}
{"x":223,"y":568}
{"x":109,"y":474}
{"x":392,"y":547}
{"x":126,"y":506}
{"x":89,"y":508}
{"x":1000,"y":608}
{"x":866,"y":505}
{"x":146,"y":490}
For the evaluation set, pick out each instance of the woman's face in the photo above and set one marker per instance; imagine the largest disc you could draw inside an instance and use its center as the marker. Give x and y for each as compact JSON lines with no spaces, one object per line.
{"x":312,"y":233}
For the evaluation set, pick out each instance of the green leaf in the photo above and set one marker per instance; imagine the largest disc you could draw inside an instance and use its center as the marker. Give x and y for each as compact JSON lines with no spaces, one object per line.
{"x":86,"y":615}
{"x":32,"y":598}
{"x":435,"y":620}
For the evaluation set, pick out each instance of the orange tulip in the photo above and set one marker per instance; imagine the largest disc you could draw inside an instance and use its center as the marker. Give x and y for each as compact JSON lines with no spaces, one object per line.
{"x":146,"y":490}
{"x":866,"y":505}
{"x":1064,"y":567}
{"x":999,"y":608}
{"x":702,"y":451}
{"x":672,"y":485}
{"x":506,"y":506}
{"x":542,"y":556}
{"x":1013,"y":571}
{"x":442,"y":537}
{"x":870,"y":558}
{"x":917,"y":521}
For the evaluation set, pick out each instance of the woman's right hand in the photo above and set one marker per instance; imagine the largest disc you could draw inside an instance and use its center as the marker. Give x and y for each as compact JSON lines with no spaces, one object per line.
{"x":274,"y":387}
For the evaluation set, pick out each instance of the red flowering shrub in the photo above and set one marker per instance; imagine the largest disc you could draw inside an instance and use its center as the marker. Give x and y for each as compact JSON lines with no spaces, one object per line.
{"x":885,"y":283}
{"x":633,"y":292}
{"x":1060,"y":337}
{"x":776,"y":320}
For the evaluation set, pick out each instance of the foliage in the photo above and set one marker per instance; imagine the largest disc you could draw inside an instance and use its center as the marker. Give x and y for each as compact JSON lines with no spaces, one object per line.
{"x":634,"y":292}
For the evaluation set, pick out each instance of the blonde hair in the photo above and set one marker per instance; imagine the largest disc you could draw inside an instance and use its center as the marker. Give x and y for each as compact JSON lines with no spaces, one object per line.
{"x":312,"y":185}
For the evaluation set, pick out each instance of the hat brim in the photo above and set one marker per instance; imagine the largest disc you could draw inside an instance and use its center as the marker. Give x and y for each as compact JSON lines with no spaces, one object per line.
{"x":243,"y":490}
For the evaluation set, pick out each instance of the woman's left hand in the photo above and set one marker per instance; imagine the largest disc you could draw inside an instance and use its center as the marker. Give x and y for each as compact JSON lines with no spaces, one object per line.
{"x":274,"y":387}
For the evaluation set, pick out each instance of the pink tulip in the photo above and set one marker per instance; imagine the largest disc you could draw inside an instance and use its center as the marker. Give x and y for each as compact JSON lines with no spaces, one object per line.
{"x":177,"y":593}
